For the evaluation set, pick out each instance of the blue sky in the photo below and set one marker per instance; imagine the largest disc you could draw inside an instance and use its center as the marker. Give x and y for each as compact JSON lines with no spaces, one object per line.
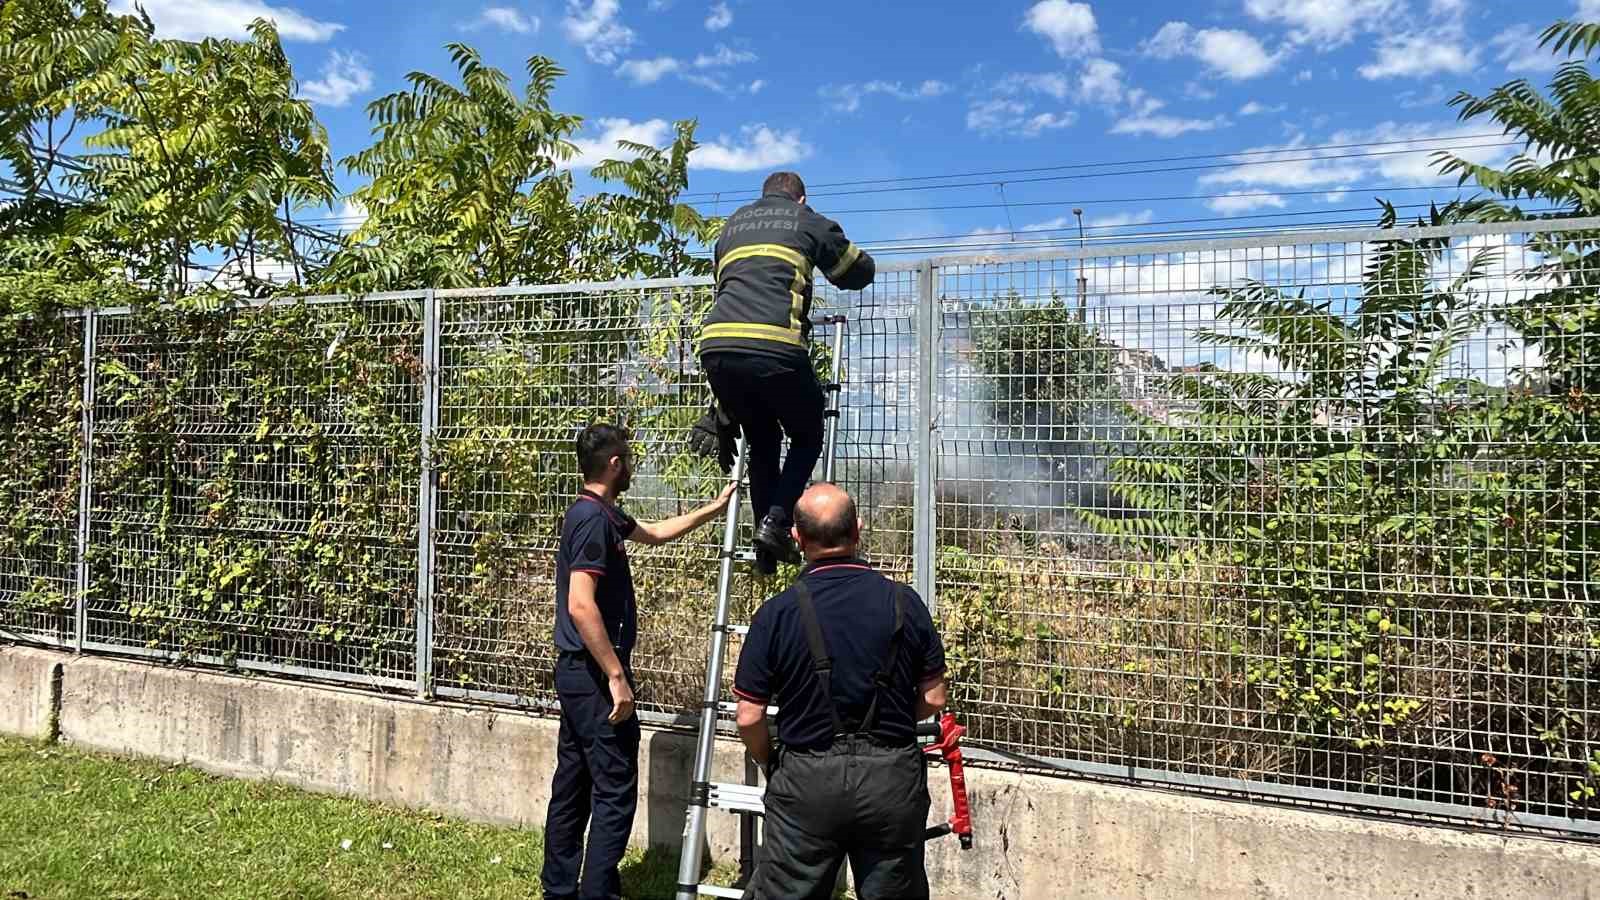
{"x":869,"y":92}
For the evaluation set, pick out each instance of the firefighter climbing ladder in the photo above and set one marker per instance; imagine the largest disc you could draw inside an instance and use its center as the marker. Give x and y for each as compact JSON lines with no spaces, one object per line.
{"x":745,"y":798}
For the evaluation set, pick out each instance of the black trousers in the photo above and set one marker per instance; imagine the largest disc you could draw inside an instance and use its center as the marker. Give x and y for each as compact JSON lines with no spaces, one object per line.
{"x":596,"y":786}
{"x":858,"y":799}
{"x":768,"y":398}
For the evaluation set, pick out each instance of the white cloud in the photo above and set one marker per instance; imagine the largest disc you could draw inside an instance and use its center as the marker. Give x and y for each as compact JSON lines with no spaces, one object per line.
{"x":1043,"y":122}
{"x":1165,"y":126}
{"x":761,"y":147}
{"x":1303,"y":75}
{"x":1194,"y":90}
{"x":1255,"y":108}
{"x":648,"y":71}
{"x":846,"y":98}
{"x":1446,"y":8}
{"x":597,"y":29}
{"x":344,"y":76}
{"x":1054,"y":84}
{"x":1101,"y":82}
{"x":1012,"y":117}
{"x":1421,"y":53}
{"x":709,"y":82}
{"x":721,"y":17}
{"x":1588,"y":11}
{"x":192,"y":20}
{"x":1294,"y":166}
{"x":594,"y":150}
{"x":1070,"y":27}
{"x":504,"y":18}
{"x":1227,"y":53}
{"x":724,"y":56}
{"x":350,"y":217}
{"x":1235,"y":202}
{"x":1142,"y":104}
{"x":756,"y":86}
{"x":1069,"y":223}
{"x":1520,"y":50}
{"x":1325,"y":23}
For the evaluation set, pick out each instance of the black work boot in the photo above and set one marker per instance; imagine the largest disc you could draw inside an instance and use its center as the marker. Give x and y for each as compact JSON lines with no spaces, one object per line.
{"x":773,"y":537}
{"x":765,"y":564}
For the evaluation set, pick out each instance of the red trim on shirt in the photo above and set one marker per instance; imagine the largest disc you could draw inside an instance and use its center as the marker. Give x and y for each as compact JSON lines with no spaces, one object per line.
{"x":590,"y":571}
{"x":750,"y":697}
{"x":839,"y":566}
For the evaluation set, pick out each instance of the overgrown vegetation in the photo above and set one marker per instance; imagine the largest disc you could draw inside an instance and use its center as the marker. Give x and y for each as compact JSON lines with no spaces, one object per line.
{"x":1401,"y":559}
{"x":1357,"y":571}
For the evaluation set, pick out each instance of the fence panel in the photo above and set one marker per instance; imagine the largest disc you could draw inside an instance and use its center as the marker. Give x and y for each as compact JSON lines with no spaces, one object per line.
{"x":1310,"y":516}
{"x":255,"y":486}
{"x":1316,"y":515}
{"x":522,"y":370}
{"x":40,"y":449}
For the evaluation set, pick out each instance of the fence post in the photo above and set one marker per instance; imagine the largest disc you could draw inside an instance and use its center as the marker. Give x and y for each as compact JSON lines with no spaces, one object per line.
{"x":80,"y":612}
{"x":427,"y":493}
{"x":924,"y":515}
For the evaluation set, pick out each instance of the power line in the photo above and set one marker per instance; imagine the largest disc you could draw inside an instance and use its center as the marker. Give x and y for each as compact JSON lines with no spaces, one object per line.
{"x":727,"y":195}
{"x":1111,"y":201}
{"x":1123,"y":225}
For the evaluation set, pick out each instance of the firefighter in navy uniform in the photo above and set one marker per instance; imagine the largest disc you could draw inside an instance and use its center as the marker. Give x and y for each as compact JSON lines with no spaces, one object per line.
{"x":753,"y":348}
{"x":852,"y":660}
{"x":596,"y":781}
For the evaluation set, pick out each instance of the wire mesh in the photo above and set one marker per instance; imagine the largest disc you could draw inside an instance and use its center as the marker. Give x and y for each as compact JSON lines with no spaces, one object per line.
{"x":522,"y":372}
{"x":1316,"y":515}
{"x":255,"y":486}
{"x":1287,"y":514}
{"x":40,"y":449}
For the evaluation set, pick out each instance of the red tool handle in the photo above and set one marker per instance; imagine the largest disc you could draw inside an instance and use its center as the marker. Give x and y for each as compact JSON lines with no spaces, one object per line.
{"x":949,"y":747}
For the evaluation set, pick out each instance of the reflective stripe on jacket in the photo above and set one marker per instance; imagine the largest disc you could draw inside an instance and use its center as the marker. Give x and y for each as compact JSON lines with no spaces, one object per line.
{"x":764,"y":261}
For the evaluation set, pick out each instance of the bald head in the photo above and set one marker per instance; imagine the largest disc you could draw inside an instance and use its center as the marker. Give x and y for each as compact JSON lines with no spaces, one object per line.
{"x":825,"y":522}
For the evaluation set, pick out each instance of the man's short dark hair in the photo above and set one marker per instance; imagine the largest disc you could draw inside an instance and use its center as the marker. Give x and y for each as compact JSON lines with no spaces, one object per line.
{"x":786,"y":183}
{"x":833,"y":531}
{"x":597,"y":444}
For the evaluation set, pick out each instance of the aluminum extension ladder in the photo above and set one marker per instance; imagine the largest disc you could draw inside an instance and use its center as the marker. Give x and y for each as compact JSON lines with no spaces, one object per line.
{"x":743,"y":799}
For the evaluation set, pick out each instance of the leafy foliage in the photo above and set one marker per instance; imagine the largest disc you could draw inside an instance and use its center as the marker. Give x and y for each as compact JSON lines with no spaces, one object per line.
{"x":469,"y":187}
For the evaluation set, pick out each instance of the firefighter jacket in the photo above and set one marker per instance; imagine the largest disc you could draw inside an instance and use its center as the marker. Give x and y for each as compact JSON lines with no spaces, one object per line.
{"x":764,"y":261}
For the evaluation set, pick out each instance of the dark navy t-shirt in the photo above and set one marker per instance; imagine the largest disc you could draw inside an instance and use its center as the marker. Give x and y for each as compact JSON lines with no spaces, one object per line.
{"x":855,"y":609}
{"x":592,"y":540}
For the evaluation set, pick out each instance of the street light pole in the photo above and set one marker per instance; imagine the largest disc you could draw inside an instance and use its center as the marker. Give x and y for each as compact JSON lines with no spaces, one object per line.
{"x":1083,"y":281}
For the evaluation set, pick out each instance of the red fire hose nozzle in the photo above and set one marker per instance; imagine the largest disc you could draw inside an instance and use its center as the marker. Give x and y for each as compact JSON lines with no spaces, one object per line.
{"x":948,"y":746}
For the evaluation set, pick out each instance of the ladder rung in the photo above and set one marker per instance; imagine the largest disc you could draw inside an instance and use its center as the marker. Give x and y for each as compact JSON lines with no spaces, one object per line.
{"x":728,"y":706}
{"x":737,"y":797}
{"x":739,"y":629}
{"x":711,"y":890}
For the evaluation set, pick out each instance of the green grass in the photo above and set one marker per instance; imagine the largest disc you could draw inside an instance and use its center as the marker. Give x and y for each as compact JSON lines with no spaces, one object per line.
{"x":79,"y":825}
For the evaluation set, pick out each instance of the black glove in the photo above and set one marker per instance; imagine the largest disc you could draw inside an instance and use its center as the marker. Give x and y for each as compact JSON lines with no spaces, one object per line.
{"x":715,"y":435}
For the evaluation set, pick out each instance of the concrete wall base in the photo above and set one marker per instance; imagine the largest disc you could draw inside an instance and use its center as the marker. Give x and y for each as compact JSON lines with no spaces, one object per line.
{"x":1037,"y":836}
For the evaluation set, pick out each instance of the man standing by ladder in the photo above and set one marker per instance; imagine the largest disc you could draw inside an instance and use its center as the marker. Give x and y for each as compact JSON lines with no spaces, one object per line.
{"x":853,"y":661}
{"x":597,"y":750}
{"x":753,"y":347}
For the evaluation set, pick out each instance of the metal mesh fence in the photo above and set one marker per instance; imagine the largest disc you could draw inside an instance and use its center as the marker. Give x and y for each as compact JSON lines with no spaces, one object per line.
{"x":1315,"y":515}
{"x":1311,"y":516}
{"x":255,"y":486}
{"x":522,"y":370}
{"x":41,"y":392}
